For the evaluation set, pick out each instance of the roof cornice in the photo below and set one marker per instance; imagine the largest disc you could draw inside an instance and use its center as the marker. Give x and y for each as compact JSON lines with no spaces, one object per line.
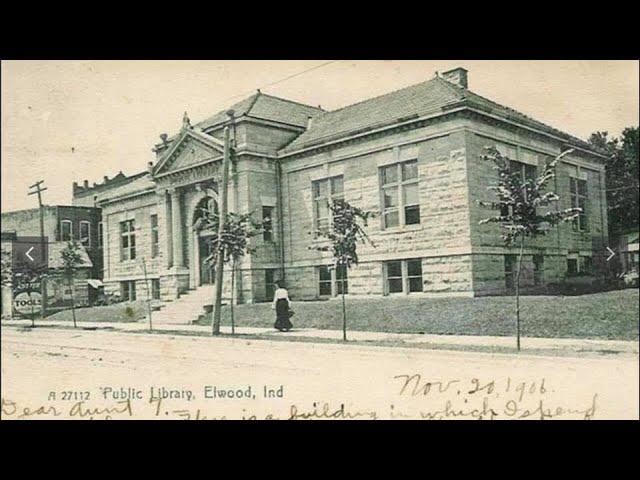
{"x":454,"y":107}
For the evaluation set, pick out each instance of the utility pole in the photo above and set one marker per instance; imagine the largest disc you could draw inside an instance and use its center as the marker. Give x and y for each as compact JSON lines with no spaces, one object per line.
{"x":146,"y":283}
{"x":43,"y":291}
{"x":215,"y":323}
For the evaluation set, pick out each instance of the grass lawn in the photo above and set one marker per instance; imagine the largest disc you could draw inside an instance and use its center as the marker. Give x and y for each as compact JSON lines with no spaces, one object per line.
{"x":609,"y":315}
{"x":118,"y":312}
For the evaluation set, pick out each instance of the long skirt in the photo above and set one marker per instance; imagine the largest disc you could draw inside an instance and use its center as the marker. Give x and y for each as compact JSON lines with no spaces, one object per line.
{"x":282,"y":315}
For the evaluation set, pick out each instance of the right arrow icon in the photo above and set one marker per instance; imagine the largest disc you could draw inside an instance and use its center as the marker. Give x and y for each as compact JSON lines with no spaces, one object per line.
{"x":611,"y":254}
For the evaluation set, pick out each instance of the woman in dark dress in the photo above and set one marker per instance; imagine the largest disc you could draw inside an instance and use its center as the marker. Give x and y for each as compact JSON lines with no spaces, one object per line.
{"x":281,"y":304}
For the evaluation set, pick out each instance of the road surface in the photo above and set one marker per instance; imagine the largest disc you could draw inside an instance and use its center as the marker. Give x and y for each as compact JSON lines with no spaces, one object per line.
{"x":59,"y":374}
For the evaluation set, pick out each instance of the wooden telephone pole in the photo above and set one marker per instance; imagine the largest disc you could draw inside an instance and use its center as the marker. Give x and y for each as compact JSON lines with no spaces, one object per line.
{"x":43,"y":291}
{"x":222,"y":191}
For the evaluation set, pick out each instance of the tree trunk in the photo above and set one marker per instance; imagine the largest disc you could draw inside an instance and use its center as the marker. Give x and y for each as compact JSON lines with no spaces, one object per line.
{"x":233,"y":287}
{"x":518,"y":292}
{"x":344,"y":312}
{"x":73,"y":302}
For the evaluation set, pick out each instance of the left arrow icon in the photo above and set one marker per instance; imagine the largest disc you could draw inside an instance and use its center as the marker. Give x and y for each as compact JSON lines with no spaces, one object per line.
{"x":28,"y":252}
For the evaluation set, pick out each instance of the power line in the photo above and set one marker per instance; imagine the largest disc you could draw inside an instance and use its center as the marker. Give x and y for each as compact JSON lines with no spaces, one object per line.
{"x":283,"y":79}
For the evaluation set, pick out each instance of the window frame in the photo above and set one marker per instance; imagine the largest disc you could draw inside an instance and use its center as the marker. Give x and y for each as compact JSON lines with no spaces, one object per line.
{"x":88,"y":224}
{"x":267,"y":226}
{"x":269,"y":294}
{"x":66,"y":222}
{"x":400,"y":185}
{"x":334,"y":282}
{"x":330,"y":195}
{"x":538,"y":269}
{"x":510,"y":274}
{"x":410,"y":277}
{"x":130,"y":235}
{"x":155,"y":289}
{"x":128,"y":286}
{"x":155,"y":235}
{"x":579,"y":200}
{"x":324,"y":282}
{"x":341,"y":282}
{"x":404,"y":276}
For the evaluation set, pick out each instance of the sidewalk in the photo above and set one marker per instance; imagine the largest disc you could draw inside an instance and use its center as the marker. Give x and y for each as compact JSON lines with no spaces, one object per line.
{"x":456,"y":342}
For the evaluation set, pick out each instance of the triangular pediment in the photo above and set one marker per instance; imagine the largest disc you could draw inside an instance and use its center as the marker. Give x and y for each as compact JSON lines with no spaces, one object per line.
{"x":189,"y":149}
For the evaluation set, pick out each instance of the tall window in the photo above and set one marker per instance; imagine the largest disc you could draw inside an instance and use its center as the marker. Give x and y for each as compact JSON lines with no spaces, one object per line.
{"x":578,"y":193}
{"x":128,"y":290}
{"x":538,"y":269}
{"x":267,"y":224}
{"x":85,"y":233}
{"x":155,"y":238}
{"x":324,"y":192}
{"x":404,"y":276}
{"x":525,"y":172}
{"x":400,"y":194}
{"x":66,"y":230}
{"x":100,"y":234}
{"x":269,"y":281}
{"x":127,"y":240}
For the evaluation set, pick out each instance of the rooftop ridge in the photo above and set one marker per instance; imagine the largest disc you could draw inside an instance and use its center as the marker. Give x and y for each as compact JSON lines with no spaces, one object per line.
{"x":392,"y":92}
{"x":293,"y":101}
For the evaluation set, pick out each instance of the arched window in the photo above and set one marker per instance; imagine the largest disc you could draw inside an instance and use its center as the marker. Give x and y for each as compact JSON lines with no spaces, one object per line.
{"x":203,"y":210}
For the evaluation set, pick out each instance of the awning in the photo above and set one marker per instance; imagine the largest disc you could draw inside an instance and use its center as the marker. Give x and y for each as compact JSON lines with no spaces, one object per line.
{"x":95,"y":283}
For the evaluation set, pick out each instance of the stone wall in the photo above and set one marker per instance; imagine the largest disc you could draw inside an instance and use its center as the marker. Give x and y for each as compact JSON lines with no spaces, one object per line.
{"x":443,"y":231}
{"x":487,"y":245}
{"x":139,"y":209}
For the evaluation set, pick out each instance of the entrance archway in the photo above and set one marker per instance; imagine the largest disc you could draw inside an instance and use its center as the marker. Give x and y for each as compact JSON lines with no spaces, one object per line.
{"x":203,"y":269}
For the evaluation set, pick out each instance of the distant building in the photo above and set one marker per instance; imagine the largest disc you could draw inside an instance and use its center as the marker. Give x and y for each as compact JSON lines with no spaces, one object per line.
{"x":61,"y":225}
{"x":413,"y":155}
{"x":628,"y":250}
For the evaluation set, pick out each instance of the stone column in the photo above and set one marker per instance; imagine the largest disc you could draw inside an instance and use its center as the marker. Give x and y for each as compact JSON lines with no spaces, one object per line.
{"x":168,"y":250}
{"x":176,"y":214}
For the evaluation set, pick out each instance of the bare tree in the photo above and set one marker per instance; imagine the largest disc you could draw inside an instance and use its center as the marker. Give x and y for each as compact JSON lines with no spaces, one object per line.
{"x":519,"y":203}
{"x":71,"y":261}
{"x":345,"y":232}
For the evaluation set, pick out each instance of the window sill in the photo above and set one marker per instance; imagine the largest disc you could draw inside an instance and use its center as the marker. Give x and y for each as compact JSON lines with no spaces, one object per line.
{"x":401,"y":229}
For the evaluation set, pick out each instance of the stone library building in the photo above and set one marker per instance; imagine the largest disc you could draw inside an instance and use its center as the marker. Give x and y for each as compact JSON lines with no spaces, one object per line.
{"x":412,"y":155}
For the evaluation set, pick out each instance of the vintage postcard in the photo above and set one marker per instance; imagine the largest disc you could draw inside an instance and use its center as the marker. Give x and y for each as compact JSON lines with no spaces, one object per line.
{"x":320,"y":240}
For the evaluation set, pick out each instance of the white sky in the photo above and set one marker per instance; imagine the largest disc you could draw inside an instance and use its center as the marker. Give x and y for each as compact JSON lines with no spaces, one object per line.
{"x":111,"y":112}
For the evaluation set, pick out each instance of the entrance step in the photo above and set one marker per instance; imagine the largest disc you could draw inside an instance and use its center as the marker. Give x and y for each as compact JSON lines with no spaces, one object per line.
{"x":185,"y":309}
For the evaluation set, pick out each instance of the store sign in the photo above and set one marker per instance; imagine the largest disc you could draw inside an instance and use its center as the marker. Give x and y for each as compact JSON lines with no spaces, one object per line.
{"x":27,"y":303}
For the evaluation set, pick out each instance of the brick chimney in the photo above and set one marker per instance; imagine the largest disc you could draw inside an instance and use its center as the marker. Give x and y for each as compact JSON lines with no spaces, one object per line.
{"x":457,"y":76}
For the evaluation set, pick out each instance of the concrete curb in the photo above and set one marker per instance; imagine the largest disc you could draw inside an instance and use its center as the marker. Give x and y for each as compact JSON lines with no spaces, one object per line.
{"x":409,"y":340}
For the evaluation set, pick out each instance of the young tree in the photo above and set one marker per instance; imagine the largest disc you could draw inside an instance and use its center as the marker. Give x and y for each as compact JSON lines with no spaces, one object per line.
{"x":71,"y":261}
{"x":233,"y":244}
{"x":344,"y":235}
{"x":519,"y":202}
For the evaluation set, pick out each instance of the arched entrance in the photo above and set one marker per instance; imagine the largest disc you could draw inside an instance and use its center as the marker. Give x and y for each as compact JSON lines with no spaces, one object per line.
{"x":204,"y":269}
